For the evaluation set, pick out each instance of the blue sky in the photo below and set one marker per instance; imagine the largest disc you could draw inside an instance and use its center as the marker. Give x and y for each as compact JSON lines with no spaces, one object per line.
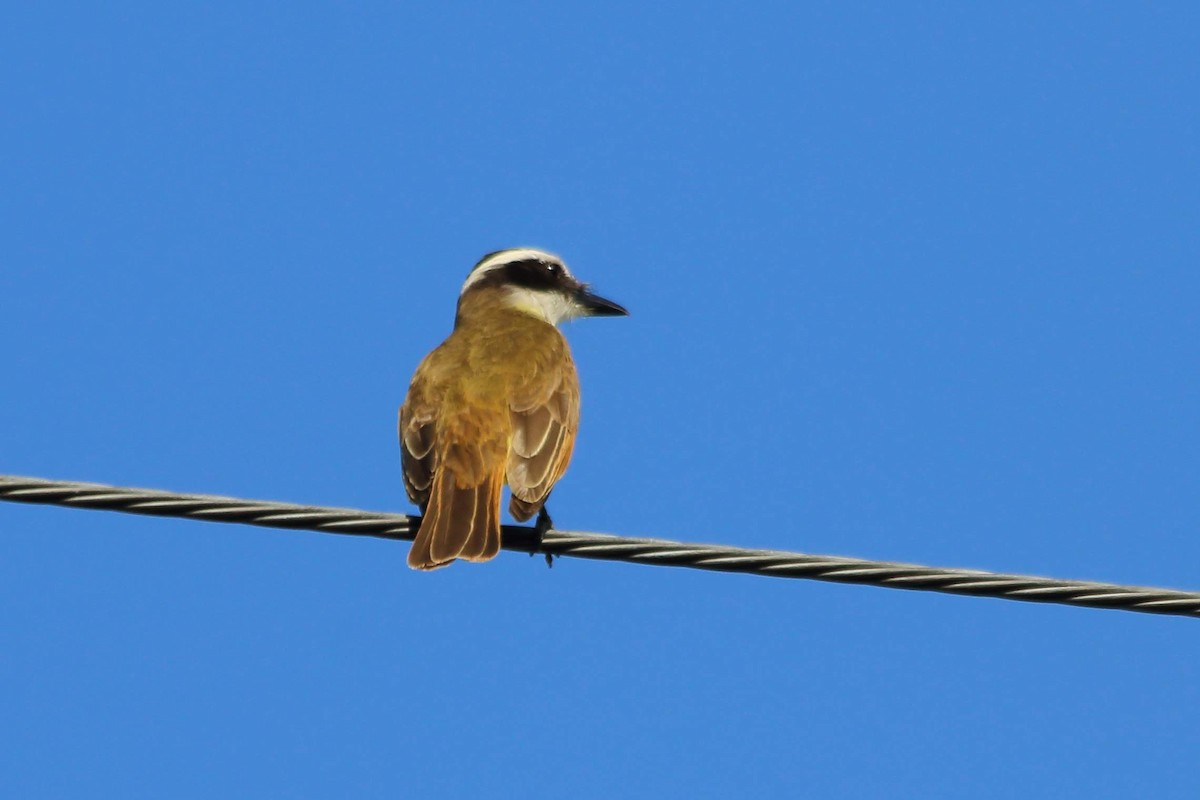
{"x":912,"y":283}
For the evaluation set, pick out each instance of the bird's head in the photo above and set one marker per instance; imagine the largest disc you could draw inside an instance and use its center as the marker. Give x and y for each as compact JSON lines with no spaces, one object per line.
{"x":534,"y":282}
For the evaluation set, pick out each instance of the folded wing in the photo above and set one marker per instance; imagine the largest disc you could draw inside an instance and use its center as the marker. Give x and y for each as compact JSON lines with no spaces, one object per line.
{"x":544,"y":423}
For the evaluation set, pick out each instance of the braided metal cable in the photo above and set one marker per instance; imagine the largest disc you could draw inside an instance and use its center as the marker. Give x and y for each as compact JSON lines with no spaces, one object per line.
{"x":660,"y":552}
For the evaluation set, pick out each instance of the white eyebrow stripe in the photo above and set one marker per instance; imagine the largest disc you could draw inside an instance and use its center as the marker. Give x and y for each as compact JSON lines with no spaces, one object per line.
{"x":505,"y":257}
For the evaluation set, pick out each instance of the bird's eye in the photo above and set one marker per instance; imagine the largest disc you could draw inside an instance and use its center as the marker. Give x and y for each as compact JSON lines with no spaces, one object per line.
{"x":554,"y":269}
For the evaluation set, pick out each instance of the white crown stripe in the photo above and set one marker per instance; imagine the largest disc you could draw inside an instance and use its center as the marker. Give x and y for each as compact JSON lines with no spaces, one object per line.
{"x":504,"y":258}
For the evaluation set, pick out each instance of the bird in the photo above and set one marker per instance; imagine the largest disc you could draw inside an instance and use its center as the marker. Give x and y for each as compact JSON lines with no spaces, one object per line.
{"x":495,"y":404}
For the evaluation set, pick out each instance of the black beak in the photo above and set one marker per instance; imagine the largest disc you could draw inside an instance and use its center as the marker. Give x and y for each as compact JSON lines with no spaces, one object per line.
{"x":596,"y":306}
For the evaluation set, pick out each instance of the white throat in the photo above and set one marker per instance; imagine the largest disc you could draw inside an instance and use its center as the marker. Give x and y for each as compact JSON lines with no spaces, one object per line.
{"x":552,"y":307}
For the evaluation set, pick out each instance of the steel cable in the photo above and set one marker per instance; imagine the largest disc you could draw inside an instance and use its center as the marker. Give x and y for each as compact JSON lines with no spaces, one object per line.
{"x":659,"y":552}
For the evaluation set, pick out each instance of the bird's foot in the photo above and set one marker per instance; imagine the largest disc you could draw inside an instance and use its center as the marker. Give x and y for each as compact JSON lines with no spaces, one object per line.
{"x":543,"y":525}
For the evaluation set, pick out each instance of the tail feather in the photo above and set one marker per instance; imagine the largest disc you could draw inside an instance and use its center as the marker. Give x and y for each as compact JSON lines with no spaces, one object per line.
{"x":460,"y":522}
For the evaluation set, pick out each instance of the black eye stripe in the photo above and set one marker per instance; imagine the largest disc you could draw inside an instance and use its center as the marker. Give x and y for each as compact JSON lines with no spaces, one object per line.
{"x":532,"y":273}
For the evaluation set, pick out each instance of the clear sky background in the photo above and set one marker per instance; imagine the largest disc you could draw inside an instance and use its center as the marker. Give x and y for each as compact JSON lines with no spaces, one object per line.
{"x":912,"y":283}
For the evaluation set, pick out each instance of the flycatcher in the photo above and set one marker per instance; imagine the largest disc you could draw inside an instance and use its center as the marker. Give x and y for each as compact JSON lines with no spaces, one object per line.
{"x":496,"y":403}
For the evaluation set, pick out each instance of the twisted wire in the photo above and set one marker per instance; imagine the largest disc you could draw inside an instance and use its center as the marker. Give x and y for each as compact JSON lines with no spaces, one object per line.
{"x":659,"y":552}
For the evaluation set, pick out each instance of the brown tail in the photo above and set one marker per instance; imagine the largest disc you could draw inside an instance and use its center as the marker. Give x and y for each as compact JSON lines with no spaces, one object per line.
{"x":460,"y":522}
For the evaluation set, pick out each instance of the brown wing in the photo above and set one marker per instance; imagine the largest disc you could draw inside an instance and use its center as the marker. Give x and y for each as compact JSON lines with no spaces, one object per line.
{"x":544,"y":423}
{"x":416,"y":451}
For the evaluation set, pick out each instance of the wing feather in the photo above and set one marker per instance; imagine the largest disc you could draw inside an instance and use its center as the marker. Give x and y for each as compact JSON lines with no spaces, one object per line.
{"x":416,"y":452}
{"x":544,"y":427}
{"x":531,"y":429}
